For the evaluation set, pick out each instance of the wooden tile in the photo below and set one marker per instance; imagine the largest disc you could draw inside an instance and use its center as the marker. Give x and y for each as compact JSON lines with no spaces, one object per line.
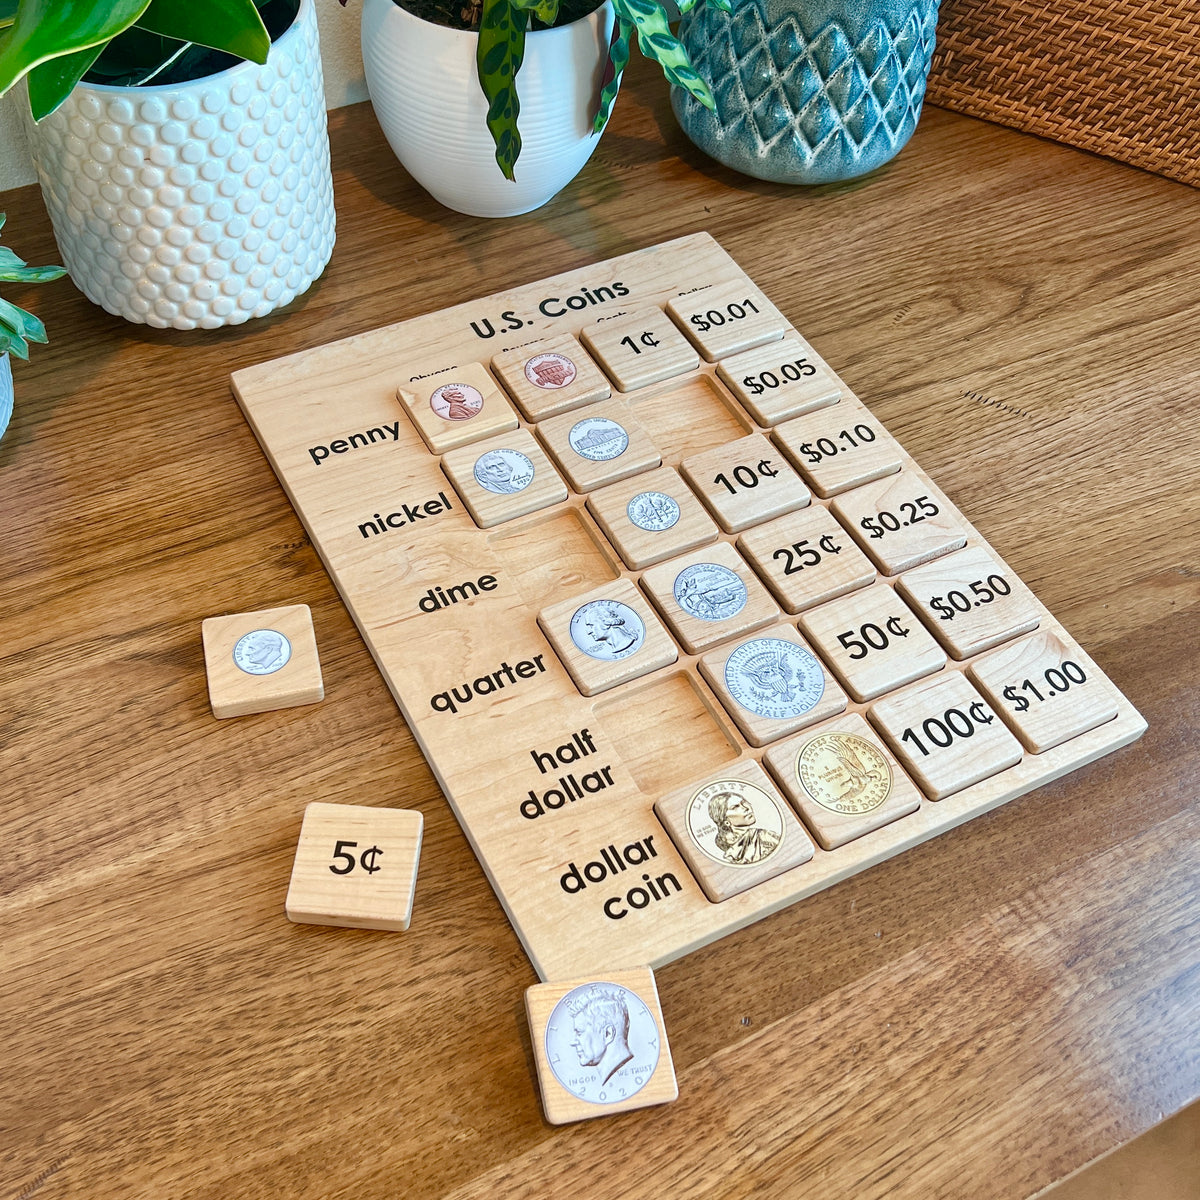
{"x":837,"y":449}
{"x":599,"y":445}
{"x":873,"y":641}
{"x":772,"y":684}
{"x":970,"y":601}
{"x":945,"y":734}
{"x":900,"y":522}
{"x":355,"y":866}
{"x":600,"y":1045}
{"x":843,"y":780}
{"x":781,"y":380}
{"x":745,"y":482}
{"x":550,"y":376}
{"x":640,"y":348}
{"x":607,"y":636}
{"x":259,"y":661}
{"x":1045,"y":690}
{"x":726,"y":318}
{"x":457,"y":407}
{"x":806,"y":558}
{"x":709,"y":596}
{"x":734,"y":830}
{"x":652,"y":517}
{"x":504,"y":477}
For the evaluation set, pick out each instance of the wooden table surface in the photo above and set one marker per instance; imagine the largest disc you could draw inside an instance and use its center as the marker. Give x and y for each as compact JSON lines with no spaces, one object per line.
{"x":978,"y":1016}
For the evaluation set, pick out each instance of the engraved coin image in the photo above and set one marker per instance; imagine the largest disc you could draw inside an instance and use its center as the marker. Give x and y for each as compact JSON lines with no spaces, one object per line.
{"x":456,"y":402}
{"x":598,"y":439}
{"x":774,"y":678}
{"x":653,"y":511}
{"x":262,"y":652}
{"x":710,"y":591}
{"x":503,"y":471}
{"x":607,"y":630}
{"x":602,"y":1042}
{"x":844,"y":773}
{"x":735,"y":823}
{"x":550,"y":371}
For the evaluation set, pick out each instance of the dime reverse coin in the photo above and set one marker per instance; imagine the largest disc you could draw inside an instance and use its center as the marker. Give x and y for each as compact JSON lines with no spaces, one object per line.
{"x":262,"y":652}
{"x":602,"y":1043}
{"x":456,"y":402}
{"x":653,"y":511}
{"x":598,"y":439}
{"x":710,"y":591}
{"x":503,"y":471}
{"x":607,"y":630}
{"x":550,"y":371}
{"x":735,"y":822}
{"x":844,"y":773}
{"x":774,"y":678}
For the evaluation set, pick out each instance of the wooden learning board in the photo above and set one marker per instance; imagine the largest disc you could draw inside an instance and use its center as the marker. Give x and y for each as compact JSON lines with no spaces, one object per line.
{"x":683,"y":632}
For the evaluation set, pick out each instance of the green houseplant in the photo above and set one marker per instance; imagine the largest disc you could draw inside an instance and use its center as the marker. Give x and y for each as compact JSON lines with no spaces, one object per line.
{"x":17,"y":327}
{"x":181,"y":149}
{"x":463,"y":89}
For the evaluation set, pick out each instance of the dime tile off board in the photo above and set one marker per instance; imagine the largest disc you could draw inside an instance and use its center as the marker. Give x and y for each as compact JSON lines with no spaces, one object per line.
{"x":600,"y":1045}
{"x":554,"y":789}
{"x":355,"y":866}
{"x":259,"y":661}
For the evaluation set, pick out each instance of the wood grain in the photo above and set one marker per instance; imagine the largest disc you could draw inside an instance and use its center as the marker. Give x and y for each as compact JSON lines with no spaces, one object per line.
{"x":980,"y":1015}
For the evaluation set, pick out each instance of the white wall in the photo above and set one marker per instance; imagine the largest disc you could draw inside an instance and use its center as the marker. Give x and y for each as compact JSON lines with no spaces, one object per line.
{"x":344,"y":84}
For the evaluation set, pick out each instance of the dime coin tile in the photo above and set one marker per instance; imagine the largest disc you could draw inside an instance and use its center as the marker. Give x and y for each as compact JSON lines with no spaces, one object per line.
{"x":263,"y":660}
{"x":837,"y":449}
{"x":745,"y":482}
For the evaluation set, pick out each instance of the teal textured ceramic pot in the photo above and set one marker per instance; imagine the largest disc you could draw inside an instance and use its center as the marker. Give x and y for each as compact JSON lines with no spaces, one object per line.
{"x":807,"y":91}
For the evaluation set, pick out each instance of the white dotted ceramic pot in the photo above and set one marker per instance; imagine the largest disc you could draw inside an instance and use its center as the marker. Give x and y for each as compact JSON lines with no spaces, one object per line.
{"x":200,"y":204}
{"x":424,"y":87}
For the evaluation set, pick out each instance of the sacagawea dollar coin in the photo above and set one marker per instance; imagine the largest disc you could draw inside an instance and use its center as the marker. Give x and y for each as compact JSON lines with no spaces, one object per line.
{"x":735,"y":822}
{"x":844,"y":773}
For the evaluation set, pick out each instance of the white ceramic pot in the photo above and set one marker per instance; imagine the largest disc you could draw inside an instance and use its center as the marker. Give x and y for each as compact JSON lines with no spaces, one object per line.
{"x":425,"y":90}
{"x":199,"y":204}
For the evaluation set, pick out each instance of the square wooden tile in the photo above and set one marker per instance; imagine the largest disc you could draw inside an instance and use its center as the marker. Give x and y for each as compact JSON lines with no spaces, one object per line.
{"x":652,"y":517}
{"x":900,"y":522}
{"x":457,"y":407}
{"x":600,"y":1045}
{"x":843,"y":780}
{"x":607,"y":636}
{"x":945,"y":734}
{"x":259,"y":661}
{"x":873,"y":641}
{"x":745,"y":482}
{"x":640,"y":348}
{"x":1044,"y":690}
{"x":599,"y":445}
{"x":772,"y":684}
{"x":550,"y":376}
{"x":709,"y":596}
{"x":734,"y":830}
{"x":727,"y":317}
{"x":806,"y":558}
{"x":969,"y":601}
{"x":780,"y":380}
{"x":505,"y":477}
{"x":837,"y":449}
{"x":355,"y":866}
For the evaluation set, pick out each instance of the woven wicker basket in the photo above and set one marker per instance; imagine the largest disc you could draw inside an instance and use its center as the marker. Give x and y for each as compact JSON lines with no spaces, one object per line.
{"x":1118,"y":77}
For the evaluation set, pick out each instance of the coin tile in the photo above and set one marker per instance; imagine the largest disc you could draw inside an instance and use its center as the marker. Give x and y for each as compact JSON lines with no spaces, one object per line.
{"x":504,"y":477}
{"x":640,"y":348}
{"x":550,"y":376}
{"x":734,"y":830}
{"x":779,"y":381}
{"x":727,"y":317}
{"x":843,"y":780}
{"x":457,"y":407}
{"x":600,"y":1045}
{"x":598,"y":445}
